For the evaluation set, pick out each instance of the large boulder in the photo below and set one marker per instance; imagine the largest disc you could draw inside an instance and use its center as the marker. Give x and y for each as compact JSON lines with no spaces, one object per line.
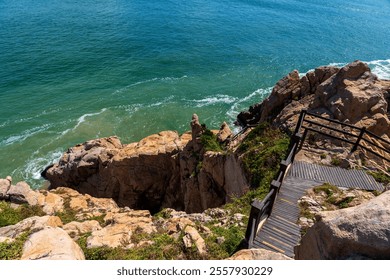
{"x":356,"y":96}
{"x":358,"y":232}
{"x":51,"y":244}
{"x":22,"y":193}
{"x":121,"y":226}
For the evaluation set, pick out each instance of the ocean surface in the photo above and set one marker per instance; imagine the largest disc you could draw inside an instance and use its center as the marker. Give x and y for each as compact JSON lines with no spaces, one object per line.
{"x":72,"y":70}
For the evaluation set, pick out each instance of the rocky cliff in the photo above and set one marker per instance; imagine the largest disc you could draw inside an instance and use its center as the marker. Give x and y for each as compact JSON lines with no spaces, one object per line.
{"x":164,"y":170}
{"x":351,"y":94}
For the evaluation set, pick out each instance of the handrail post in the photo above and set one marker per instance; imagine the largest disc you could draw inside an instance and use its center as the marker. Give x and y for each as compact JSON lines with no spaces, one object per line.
{"x":302,"y":140}
{"x":362,"y":131}
{"x":300,"y":121}
{"x":250,"y":230}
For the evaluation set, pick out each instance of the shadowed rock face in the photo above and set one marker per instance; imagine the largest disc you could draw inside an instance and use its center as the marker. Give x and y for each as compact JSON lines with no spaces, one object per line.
{"x":351,"y":94}
{"x":163,"y":170}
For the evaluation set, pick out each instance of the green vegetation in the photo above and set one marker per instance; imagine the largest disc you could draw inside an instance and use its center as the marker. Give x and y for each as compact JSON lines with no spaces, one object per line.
{"x":304,"y":211}
{"x":380,"y":177}
{"x":13,"y":250}
{"x":161,"y":247}
{"x":11,"y":216}
{"x":164,"y":214}
{"x":335,"y":161}
{"x":323,"y":156}
{"x":100,"y":219}
{"x":326,"y":188}
{"x":333,"y":196}
{"x":344,"y":203}
{"x":210,"y":142}
{"x":233,"y":237}
{"x":68,"y":214}
{"x":262,"y":151}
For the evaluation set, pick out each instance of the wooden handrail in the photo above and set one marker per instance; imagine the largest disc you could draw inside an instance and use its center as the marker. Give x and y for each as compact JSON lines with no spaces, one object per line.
{"x":258,"y":211}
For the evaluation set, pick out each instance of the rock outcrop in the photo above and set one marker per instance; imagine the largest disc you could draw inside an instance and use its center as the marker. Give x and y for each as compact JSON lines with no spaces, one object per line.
{"x":360,"y":232}
{"x":162,"y":170}
{"x":351,"y":94}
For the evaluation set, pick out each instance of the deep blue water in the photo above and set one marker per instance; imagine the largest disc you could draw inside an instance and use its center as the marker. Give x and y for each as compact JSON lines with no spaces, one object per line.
{"x":73,"y":70}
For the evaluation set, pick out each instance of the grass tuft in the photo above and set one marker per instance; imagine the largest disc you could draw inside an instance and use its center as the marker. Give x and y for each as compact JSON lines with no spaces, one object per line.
{"x":12,"y":216}
{"x":13,"y":250}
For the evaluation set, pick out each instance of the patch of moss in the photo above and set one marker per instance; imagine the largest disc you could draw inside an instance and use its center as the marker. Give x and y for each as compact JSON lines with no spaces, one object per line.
{"x":11,"y":216}
{"x":13,"y":250}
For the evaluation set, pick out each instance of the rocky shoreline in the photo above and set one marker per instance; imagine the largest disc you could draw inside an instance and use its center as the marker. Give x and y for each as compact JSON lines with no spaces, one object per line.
{"x":172,"y":196}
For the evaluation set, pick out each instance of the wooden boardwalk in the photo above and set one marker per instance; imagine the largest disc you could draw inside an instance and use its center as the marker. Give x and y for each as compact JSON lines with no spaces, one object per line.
{"x":281,"y":233}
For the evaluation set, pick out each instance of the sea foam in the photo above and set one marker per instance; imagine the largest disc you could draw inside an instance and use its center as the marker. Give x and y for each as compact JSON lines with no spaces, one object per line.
{"x":24,"y":135}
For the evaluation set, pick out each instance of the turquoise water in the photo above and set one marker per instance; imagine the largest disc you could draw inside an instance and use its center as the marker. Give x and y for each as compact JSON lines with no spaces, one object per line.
{"x":71,"y":70}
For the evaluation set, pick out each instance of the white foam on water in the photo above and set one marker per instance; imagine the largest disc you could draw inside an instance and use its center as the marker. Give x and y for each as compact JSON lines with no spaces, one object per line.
{"x":24,"y":135}
{"x":381,"y":68}
{"x":26,"y":119}
{"x":257,"y":96}
{"x":216,"y":99}
{"x":162,"y":102}
{"x":35,"y":165}
{"x":82,"y":119}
